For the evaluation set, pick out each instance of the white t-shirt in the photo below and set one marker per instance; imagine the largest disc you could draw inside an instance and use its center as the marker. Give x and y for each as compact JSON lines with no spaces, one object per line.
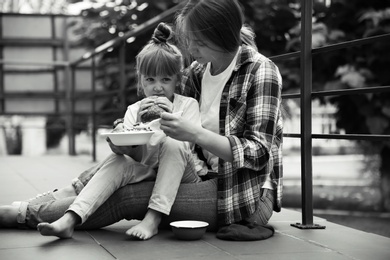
{"x":210,"y":100}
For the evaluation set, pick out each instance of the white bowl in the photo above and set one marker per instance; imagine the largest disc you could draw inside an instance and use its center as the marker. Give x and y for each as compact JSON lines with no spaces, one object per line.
{"x":130,"y":137}
{"x":189,"y":229}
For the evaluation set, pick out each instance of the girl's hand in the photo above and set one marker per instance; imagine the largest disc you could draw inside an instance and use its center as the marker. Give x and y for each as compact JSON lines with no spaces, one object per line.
{"x":145,"y":104}
{"x":119,"y":149}
{"x":165,"y":104}
{"x":179,"y":128}
{"x":120,"y":127}
{"x":162,"y":102}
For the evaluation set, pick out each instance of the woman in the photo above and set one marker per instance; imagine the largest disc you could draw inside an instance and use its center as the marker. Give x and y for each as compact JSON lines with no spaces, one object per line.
{"x":239,"y":91}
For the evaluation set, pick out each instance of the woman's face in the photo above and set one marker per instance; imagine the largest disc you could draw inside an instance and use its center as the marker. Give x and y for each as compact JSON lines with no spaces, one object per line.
{"x":204,"y":51}
{"x":163,"y":86}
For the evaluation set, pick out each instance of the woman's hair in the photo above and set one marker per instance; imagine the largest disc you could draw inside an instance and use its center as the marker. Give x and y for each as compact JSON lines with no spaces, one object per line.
{"x":220,"y":22}
{"x":159,"y":57}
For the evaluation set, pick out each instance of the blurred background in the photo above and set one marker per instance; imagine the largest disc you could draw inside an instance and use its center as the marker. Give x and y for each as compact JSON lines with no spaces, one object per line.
{"x":39,"y":39}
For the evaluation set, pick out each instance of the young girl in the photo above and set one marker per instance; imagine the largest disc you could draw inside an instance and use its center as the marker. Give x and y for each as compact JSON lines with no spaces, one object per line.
{"x":159,"y":65}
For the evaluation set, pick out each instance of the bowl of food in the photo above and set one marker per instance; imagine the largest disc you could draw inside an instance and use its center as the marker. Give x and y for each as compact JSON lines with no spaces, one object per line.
{"x":189,"y":229}
{"x":136,"y":136}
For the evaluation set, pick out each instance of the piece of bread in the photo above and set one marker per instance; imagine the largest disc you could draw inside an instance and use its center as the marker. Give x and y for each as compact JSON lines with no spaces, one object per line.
{"x":153,"y":112}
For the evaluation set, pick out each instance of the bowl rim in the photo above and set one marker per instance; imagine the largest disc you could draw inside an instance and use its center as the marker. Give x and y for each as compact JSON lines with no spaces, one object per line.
{"x":131,"y":132}
{"x":200,"y":224}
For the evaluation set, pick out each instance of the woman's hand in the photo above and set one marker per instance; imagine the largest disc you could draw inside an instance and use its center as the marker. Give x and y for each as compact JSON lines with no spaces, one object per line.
{"x":179,"y":128}
{"x":183,"y":129}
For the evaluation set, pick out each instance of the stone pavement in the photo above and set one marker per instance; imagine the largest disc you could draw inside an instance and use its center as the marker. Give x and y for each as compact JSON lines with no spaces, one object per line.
{"x":23,"y":177}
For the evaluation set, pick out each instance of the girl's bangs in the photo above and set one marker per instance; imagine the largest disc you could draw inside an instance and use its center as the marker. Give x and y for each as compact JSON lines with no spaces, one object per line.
{"x":159,"y":63}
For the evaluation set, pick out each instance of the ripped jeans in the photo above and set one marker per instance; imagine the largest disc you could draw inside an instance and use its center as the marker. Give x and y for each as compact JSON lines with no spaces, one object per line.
{"x":176,"y":165}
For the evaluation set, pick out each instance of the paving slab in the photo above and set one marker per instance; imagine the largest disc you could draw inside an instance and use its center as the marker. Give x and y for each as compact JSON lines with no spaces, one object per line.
{"x":24,"y":177}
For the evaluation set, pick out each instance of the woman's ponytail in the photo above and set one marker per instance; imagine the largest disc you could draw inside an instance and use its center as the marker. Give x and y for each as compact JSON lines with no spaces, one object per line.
{"x":248,"y":36}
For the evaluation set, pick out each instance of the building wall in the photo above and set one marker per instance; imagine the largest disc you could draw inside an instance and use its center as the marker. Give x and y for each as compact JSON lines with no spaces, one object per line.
{"x":31,"y":87}
{"x":42,"y":39}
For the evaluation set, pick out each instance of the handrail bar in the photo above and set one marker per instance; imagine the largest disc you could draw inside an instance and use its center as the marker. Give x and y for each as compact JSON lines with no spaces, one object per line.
{"x":285,"y":56}
{"x":352,"y":43}
{"x":338,"y":92}
{"x":35,"y":63}
{"x":370,"y":137}
{"x":365,"y":90}
{"x":333,"y":47}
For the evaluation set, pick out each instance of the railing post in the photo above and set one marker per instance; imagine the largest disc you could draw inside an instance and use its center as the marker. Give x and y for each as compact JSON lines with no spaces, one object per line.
{"x":2,"y":91}
{"x":54,"y":53}
{"x":122,"y":75}
{"x":93,"y":74}
{"x":70,"y":98}
{"x":69,"y":73}
{"x":306,"y":114}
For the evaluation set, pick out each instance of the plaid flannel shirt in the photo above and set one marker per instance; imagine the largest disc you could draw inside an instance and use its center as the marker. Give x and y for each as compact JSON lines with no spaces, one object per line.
{"x":250,"y":116}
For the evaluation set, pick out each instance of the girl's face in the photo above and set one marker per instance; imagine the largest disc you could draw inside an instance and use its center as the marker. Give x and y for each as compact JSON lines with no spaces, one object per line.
{"x":163,"y":86}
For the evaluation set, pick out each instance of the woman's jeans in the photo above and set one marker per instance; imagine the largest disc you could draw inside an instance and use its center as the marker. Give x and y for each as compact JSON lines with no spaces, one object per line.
{"x":196,"y":201}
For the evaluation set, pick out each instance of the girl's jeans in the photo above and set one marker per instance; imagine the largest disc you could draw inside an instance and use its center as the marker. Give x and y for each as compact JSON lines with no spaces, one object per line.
{"x":98,"y":183}
{"x":175,"y":165}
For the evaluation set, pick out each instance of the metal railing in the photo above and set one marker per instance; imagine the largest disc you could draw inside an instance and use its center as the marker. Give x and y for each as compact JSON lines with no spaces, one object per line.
{"x":306,"y":96}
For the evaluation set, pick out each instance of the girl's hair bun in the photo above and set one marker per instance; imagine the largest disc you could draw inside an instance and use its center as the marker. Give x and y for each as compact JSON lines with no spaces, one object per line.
{"x":162,"y":33}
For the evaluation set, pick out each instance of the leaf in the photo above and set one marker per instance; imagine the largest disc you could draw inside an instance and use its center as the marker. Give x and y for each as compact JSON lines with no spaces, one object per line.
{"x":333,"y":85}
{"x":336,"y":35}
{"x":354,"y":79}
{"x":318,"y":40}
{"x":342,"y":70}
{"x":386,"y":111}
{"x":377,"y":124}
